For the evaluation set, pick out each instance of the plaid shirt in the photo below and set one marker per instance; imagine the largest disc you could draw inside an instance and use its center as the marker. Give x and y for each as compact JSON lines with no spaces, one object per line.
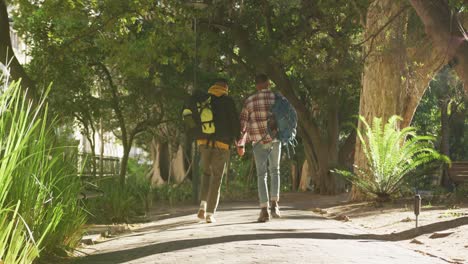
{"x":254,"y":117}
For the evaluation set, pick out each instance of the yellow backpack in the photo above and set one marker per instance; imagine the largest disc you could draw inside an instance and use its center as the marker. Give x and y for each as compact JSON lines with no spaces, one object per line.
{"x":206,"y":116}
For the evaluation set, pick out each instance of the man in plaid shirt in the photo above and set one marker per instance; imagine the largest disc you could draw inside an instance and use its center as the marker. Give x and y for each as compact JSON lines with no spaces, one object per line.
{"x":267,"y":151}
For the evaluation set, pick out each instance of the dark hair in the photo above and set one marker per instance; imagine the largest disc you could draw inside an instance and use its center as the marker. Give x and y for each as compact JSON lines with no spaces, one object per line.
{"x":222,"y":81}
{"x":261,"y":78}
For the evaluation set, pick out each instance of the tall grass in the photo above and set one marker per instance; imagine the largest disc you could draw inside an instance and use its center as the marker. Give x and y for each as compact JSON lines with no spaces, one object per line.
{"x":39,"y":210}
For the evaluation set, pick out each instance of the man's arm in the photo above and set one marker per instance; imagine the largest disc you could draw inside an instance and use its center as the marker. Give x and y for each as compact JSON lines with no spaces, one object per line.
{"x":244,"y":121}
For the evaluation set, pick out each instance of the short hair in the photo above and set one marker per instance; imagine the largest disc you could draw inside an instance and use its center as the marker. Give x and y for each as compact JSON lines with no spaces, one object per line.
{"x":261,"y":78}
{"x":222,"y":81}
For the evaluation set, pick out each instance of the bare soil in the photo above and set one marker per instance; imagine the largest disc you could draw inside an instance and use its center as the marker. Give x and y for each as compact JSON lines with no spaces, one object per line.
{"x":442,"y":232}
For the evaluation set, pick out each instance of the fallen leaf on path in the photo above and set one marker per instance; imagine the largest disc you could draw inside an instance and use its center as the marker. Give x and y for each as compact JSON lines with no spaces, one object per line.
{"x":406,"y":220}
{"x":87,"y":241}
{"x":319,"y":211}
{"x":343,"y":218}
{"x":415,"y":241}
{"x":440,"y":235}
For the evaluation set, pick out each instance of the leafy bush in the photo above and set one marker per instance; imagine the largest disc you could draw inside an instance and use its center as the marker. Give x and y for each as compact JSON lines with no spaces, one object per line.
{"x":392,"y":154}
{"x":39,"y":210}
{"x":120,"y":204}
{"x":461,"y":192}
{"x":140,"y":185}
{"x":174,"y":193}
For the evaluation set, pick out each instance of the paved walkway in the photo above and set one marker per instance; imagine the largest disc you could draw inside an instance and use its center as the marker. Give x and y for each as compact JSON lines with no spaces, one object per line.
{"x":299,"y":237}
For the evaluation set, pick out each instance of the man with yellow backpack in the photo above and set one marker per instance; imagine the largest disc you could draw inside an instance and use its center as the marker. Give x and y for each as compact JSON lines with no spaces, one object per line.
{"x":214,"y":122}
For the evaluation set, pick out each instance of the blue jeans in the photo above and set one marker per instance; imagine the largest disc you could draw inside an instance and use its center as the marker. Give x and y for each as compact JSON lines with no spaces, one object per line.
{"x":267,"y":160}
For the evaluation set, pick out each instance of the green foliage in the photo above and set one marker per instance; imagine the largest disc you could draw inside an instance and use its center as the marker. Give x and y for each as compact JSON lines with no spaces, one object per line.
{"x":125,"y":65}
{"x":173,"y":194}
{"x":16,"y":242}
{"x":140,"y":185}
{"x":311,"y":43}
{"x":392,"y":154}
{"x":445,"y":91}
{"x":242,"y":182}
{"x":122,"y":204}
{"x":115,"y":206}
{"x":461,"y":192}
{"x":39,"y":210}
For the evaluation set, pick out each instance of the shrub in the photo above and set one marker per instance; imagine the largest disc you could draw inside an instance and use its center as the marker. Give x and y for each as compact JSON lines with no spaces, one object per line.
{"x":173,"y":193}
{"x":391,"y":154}
{"x":120,"y":204}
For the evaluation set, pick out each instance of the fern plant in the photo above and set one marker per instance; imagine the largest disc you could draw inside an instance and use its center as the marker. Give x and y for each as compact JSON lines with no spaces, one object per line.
{"x":392,"y":154}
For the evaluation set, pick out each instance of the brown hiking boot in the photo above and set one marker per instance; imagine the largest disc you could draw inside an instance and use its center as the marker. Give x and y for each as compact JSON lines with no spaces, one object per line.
{"x":264,"y":215}
{"x":201,"y":214}
{"x":275,"y":212}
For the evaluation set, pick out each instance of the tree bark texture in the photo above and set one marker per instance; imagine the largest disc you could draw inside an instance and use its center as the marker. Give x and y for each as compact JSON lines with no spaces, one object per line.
{"x":446,"y":30}
{"x":397,"y":70}
{"x":6,"y":53}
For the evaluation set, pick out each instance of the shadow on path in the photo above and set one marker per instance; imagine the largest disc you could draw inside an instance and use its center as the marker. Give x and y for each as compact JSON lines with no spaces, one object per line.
{"x":126,"y":255}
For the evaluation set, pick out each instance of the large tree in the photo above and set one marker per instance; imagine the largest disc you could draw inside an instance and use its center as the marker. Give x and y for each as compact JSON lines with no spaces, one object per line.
{"x":307,"y":49}
{"x":401,"y":59}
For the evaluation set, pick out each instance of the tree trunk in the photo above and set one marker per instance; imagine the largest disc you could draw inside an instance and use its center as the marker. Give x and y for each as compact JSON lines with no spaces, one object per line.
{"x":306,"y":176}
{"x":124,"y":164}
{"x":6,"y":53}
{"x":395,"y":75}
{"x":333,"y":144}
{"x":92,"y":147}
{"x":127,"y":138}
{"x":294,"y":176}
{"x":178,"y":171}
{"x":101,"y":149}
{"x":155,"y":173}
{"x":164,"y":160}
{"x":445,"y":137}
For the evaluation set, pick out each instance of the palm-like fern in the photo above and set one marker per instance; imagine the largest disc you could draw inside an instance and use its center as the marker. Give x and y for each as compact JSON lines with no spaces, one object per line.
{"x":392,"y":154}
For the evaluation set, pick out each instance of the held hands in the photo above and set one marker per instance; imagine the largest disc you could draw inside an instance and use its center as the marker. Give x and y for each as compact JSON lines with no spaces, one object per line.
{"x":240,"y":150}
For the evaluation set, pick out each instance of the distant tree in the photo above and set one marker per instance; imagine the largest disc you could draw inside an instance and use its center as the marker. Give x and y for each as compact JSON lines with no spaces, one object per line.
{"x":116,"y":61}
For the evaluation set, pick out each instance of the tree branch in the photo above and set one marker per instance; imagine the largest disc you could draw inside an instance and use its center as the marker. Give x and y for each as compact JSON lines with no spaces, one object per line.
{"x":379,"y":30}
{"x":115,"y":103}
{"x":443,"y":29}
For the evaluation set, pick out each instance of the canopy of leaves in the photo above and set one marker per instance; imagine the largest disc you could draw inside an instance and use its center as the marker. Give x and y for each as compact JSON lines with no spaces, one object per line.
{"x":99,"y":53}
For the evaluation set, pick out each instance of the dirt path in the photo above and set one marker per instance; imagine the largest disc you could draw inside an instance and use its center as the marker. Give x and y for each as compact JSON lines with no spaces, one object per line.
{"x":299,"y":237}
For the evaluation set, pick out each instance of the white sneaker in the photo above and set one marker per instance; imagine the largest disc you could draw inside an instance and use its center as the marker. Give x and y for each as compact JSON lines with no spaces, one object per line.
{"x":210,"y":219}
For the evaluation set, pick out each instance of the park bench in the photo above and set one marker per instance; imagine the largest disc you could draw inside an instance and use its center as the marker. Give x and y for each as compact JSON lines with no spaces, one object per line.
{"x":458,"y":172}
